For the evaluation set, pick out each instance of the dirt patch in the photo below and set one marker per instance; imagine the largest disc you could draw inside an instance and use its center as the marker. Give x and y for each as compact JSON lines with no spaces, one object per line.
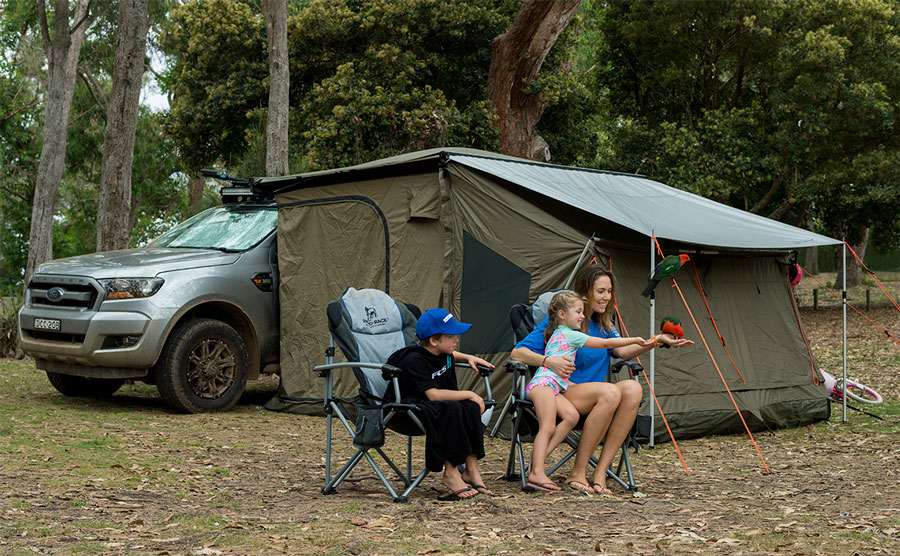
{"x":127,"y":476}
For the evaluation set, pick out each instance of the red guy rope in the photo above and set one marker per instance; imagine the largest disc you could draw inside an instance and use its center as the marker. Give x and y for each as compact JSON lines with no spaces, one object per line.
{"x":812,"y":366}
{"x":696,"y":277}
{"x":875,"y":324}
{"x":652,"y":393}
{"x":716,"y":365}
{"x":877,"y":281}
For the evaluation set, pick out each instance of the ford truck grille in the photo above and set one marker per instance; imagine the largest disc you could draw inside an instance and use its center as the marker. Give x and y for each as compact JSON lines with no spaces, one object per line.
{"x":64,"y":291}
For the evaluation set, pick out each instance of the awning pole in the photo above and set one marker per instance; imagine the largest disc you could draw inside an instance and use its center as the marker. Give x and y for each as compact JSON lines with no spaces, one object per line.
{"x":578,"y":263}
{"x":844,"y":304}
{"x":652,"y":352}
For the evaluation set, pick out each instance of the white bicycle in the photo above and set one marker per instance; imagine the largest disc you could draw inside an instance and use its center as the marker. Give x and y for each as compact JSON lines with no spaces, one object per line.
{"x":855,"y":391}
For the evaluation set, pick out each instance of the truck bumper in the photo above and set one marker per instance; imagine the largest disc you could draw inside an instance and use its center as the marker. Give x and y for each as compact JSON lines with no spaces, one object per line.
{"x":116,"y":339}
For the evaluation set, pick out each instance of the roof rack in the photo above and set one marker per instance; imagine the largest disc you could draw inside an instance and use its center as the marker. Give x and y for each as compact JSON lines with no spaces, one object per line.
{"x":240,"y":191}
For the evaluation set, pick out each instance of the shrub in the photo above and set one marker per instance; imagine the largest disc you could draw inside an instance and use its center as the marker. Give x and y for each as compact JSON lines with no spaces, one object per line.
{"x":9,"y":332}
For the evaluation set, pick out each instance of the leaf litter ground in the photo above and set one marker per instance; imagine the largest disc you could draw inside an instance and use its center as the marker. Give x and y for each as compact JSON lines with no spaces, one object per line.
{"x":127,"y":476}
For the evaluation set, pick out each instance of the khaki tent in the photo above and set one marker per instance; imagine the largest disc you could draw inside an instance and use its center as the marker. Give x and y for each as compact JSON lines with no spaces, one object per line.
{"x":477,"y":232}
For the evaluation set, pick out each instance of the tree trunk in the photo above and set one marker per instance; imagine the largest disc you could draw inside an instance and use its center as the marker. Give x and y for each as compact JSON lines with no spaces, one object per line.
{"x":62,"y":60}
{"x":812,"y":253}
{"x":114,"y":209}
{"x":195,"y":191}
{"x":854,"y":269}
{"x":516,"y":58}
{"x":812,"y":260}
{"x":275,"y":16}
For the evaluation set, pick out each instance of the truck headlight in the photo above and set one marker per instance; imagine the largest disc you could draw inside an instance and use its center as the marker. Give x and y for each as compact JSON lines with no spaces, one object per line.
{"x":130,"y":288}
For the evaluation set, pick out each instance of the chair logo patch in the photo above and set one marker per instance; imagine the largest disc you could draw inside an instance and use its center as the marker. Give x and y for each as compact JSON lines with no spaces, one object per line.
{"x":372,"y":318}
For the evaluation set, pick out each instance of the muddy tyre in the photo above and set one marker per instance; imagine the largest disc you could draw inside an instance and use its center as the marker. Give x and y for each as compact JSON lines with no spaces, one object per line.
{"x":83,"y":387}
{"x":203,"y":367}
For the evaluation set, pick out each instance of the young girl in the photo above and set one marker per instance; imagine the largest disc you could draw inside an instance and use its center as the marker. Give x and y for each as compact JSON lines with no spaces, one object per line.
{"x":562,"y":337}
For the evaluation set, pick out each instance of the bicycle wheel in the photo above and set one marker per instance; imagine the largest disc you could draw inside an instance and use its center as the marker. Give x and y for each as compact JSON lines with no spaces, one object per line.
{"x":862,"y":393}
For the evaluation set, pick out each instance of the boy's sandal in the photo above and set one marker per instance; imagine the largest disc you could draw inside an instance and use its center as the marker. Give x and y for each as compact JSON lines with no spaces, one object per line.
{"x":455,"y":496}
{"x":580,"y":486}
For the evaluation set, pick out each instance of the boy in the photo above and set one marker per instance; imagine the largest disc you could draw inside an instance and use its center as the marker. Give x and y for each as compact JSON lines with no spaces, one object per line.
{"x":452,"y":417}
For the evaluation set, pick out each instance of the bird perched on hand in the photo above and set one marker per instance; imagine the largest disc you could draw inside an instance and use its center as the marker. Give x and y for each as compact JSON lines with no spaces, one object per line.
{"x":666,"y":267}
{"x":672,"y":325}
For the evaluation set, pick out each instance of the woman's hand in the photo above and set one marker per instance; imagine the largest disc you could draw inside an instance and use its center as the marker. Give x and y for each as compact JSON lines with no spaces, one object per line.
{"x":644,"y":343}
{"x":560,"y":364}
{"x":674,"y":342}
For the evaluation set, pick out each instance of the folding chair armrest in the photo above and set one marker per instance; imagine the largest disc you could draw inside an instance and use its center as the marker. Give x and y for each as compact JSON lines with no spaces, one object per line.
{"x":633,"y":366}
{"x":482,"y":370}
{"x":325,"y":370}
{"x":388,"y":372}
{"x":515,"y":366}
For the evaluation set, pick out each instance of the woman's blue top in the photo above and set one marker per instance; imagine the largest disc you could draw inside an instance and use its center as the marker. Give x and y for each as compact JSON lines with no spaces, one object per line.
{"x":591,"y":364}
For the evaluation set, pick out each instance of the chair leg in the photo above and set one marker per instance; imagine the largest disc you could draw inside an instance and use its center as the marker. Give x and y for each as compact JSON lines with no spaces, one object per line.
{"x":500,"y":417}
{"x":617,"y":474}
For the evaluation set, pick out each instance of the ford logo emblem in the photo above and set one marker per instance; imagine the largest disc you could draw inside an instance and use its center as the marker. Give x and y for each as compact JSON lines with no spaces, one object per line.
{"x":55,"y":294}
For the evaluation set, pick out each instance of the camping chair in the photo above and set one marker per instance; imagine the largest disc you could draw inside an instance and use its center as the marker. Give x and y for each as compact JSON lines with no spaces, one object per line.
{"x":368,"y":326}
{"x":524,"y":421}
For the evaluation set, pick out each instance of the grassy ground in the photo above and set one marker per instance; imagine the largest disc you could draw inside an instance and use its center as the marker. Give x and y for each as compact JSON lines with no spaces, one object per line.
{"x":126,"y":476}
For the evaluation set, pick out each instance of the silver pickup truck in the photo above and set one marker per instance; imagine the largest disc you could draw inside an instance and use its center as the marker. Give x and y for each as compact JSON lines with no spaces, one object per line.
{"x":194,"y":312}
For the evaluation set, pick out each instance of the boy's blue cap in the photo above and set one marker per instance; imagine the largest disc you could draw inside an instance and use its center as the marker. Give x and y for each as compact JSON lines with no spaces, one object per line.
{"x":439,"y":321}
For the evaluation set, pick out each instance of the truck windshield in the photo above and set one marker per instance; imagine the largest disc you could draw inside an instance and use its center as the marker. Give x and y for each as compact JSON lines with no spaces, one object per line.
{"x":226,"y":228}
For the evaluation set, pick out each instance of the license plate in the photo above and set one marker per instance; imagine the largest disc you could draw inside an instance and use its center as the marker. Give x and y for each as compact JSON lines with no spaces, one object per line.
{"x":46,"y":324}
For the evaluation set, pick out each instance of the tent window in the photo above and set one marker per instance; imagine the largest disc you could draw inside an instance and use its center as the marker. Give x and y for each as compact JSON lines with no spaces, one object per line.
{"x":491,"y":284}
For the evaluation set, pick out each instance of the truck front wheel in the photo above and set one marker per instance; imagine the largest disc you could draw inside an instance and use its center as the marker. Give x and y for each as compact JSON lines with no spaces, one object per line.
{"x":203,"y":367}
{"x":83,"y":387}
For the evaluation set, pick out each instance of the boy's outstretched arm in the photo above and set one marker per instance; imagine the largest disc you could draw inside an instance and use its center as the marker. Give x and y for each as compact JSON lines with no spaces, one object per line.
{"x":471,"y":360}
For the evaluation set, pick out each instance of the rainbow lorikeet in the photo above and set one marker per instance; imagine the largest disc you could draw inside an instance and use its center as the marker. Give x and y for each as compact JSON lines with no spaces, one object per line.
{"x":666,"y":267}
{"x":672,"y":325}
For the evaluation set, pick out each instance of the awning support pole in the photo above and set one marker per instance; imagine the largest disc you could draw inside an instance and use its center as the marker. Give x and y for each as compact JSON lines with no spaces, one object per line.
{"x":844,"y":305}
{"x":652,"y":351}
{"x":584,"y":251}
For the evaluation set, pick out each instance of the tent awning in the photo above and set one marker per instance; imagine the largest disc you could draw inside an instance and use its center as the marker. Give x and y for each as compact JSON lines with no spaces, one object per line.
{"x":649,"y":207}
{"x":635,"y":202}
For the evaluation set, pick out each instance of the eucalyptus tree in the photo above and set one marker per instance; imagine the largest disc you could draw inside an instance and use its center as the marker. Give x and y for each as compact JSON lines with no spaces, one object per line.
{"x":62,"y":48}
{"x":114,"y":214}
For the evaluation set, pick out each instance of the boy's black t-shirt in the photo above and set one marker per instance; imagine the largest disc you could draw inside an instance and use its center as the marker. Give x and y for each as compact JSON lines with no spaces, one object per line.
{"x":421,"y":370}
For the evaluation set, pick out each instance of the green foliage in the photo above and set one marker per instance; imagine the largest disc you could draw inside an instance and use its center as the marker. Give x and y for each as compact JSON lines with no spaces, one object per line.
{"x":217,"y":78}
{"x":20,"y":117}
{"x":790,"y":109}
{"x":368,"y":79}
{"x":354,"y":118}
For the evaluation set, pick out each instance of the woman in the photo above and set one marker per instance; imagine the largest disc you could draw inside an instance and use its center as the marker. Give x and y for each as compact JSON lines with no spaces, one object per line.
{"x":609,"y":408}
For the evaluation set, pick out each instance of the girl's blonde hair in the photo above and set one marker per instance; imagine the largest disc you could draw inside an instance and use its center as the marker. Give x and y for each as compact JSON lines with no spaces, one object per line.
{"x":561,"y":301}
{"x":584,"y":286}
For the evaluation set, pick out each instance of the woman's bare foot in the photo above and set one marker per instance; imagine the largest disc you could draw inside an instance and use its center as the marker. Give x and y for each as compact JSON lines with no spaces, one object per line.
{"x":541,"y":482}
{"x":600,"y":487}
{"x":580,"y":484}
